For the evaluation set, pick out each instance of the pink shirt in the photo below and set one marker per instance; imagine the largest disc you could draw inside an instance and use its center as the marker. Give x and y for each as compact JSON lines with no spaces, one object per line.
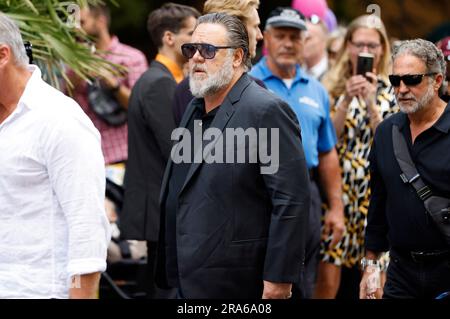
{"x":115,"y":139}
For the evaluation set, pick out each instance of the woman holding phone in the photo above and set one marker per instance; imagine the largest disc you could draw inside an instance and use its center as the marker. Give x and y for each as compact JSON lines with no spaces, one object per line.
{"x":359,"y":102}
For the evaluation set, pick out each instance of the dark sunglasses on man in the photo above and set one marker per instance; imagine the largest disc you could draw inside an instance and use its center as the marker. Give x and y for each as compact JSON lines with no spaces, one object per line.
{"x":408,"y":79}
{"x":206,"y":50}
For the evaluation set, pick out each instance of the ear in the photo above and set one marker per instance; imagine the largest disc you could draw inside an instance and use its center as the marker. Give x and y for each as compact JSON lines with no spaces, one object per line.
{"x":5,"y":55}
{"x":168,"y":38}
{"x":238,"y":57}
{"x":438,"y":81}
{"x":102,"y":20}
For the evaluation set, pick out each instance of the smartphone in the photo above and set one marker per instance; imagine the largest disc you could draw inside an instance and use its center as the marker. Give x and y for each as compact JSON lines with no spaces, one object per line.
{"x":365,"y":63}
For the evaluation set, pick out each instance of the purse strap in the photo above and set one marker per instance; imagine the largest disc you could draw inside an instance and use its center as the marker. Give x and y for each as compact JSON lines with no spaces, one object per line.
{"x":409,"y":173}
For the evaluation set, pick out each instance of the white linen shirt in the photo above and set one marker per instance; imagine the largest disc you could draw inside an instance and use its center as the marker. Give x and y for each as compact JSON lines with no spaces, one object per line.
{"x":52,"y":186}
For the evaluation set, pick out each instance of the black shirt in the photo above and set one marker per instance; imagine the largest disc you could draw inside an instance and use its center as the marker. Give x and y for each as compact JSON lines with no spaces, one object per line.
{"x":176,"y":181}
{"x":397,"y":218}
{"x":446,"y":97}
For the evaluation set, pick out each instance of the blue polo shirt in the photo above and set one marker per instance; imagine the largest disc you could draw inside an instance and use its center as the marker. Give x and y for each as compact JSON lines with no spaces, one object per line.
{"x":309,"y":100}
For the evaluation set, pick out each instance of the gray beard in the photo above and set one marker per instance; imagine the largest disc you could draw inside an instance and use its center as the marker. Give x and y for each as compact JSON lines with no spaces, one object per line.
{"x":420,"y":104}
{"x":213,"y":82}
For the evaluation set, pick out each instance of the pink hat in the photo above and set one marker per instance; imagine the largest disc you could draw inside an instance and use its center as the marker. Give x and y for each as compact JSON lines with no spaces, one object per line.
{"x":310,"y":7}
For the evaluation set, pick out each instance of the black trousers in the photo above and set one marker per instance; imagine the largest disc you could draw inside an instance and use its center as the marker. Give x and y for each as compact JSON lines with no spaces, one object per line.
{"x":409,"y":278}
{"x":304,"y":289}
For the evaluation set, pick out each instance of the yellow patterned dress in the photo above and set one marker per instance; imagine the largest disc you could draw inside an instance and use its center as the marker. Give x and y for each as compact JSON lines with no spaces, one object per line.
{"x":353,"y":149}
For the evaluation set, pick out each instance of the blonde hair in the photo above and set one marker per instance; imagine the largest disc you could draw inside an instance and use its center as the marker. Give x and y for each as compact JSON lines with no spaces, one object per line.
{"x":334,"y":80}
{"x":239,"y":8}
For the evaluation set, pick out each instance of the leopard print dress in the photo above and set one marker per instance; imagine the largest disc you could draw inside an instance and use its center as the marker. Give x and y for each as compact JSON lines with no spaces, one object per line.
{"x":353,"y":149}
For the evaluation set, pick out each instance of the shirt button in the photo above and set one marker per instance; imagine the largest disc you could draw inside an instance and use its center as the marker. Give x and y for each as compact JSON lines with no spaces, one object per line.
{"x":200,"y":123}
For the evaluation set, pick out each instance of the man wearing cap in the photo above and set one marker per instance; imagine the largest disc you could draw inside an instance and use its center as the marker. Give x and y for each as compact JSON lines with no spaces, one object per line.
{"x":280,"y":72}
{"x":444,"y":45}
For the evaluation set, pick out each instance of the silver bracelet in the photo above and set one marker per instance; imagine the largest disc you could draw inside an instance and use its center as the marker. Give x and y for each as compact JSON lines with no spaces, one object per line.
{"x":370,"y":262}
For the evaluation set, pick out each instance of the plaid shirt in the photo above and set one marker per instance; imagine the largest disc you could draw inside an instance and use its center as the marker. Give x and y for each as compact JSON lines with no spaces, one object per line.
{"x":115,"y":139}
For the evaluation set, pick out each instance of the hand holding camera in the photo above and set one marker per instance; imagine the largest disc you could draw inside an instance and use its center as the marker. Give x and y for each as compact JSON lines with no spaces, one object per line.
{"x":363,"y":84}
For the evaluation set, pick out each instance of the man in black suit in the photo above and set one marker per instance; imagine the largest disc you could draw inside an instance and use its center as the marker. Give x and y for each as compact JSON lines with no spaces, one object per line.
{"x":150,"y":123}
{"x":233,"y":226}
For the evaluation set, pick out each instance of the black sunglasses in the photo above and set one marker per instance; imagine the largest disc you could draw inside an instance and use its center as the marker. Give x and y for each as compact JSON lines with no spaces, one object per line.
{"x":408,"y":79}
{"x":207,"y":51}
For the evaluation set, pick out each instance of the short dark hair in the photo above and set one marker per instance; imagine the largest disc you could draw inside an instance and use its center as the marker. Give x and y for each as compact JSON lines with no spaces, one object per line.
{"x":170,"y":17}
{"x":101,"y":10}
{"x":237,"y":32}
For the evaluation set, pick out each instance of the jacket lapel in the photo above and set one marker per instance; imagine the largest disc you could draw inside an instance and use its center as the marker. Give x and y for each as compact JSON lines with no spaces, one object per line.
{"x":184,"y":121}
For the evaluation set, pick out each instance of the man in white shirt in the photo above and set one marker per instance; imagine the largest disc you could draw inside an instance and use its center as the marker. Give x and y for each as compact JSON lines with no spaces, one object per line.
{"x":53,"y":228}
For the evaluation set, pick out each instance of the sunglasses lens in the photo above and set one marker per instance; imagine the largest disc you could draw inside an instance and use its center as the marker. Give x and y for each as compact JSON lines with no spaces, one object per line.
{"x":395,"y":80}
{"x":409,"y":80}
{"x":188,"y":50}
{"x":412,"y":80}
{"x":207,"y":51}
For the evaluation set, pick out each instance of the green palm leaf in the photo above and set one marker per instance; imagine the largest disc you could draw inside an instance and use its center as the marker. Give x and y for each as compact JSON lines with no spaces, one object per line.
{"x":51,"y":27}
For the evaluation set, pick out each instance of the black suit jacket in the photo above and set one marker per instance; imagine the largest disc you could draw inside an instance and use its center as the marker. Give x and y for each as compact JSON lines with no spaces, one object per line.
{"x":150,"y":125}
{"x":235,"y":226}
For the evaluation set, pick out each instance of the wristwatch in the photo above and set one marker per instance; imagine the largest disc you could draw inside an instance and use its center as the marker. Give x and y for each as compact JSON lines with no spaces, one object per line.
{"x":370,"y":262}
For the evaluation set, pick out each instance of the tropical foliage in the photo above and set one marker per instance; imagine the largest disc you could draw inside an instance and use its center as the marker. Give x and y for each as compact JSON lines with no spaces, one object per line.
{"x":52,"y":27}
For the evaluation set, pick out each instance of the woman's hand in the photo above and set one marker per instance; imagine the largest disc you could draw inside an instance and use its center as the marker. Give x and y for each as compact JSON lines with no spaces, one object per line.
{"x":369,"y":91}
{"x":359,"y":86}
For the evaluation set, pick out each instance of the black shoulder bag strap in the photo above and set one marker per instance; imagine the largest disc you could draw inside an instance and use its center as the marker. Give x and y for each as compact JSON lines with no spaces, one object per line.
{"x":409,"y":171}
{"x":437,"y":207}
